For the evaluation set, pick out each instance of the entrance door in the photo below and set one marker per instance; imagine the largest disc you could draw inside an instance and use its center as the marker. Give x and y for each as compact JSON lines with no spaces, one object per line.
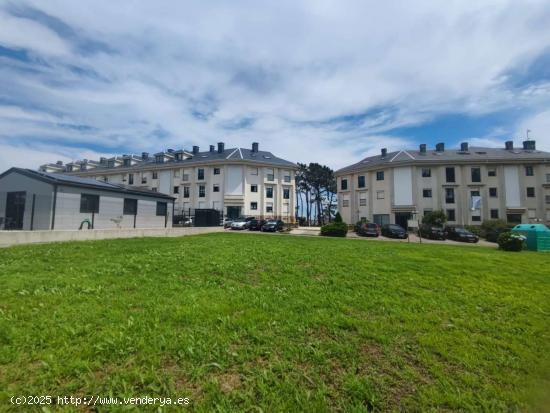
{"x":233,"y":212}
{"x":401,"y":219}
{"x":15,"y":210}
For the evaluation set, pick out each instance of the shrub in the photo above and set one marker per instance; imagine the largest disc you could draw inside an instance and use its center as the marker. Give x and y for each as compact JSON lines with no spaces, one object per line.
{"x":334,"y":229}
{"x":474,"y":229}
{"x":435,"y":218}
{"x":338,"y":218}
{"x":510,"y":242}
{"x":492,"y":228}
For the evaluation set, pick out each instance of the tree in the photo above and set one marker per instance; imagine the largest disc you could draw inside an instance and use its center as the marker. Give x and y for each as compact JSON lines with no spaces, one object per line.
{"x":316,"y":188}
{"x":435,"y":218}
{"x":338,"y":218}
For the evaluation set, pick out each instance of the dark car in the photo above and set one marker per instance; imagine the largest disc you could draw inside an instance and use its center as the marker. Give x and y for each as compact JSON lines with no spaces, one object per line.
{"x":256,"y":224}
{"x":461,"y":234}
{"x":273,"y":226}
{"x":427,"y":231}
{"x":369,"y":230}
{"x":394,"y":231}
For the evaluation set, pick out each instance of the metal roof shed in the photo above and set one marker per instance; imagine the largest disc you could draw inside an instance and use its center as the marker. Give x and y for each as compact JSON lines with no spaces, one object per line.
{"x":537,"y":236}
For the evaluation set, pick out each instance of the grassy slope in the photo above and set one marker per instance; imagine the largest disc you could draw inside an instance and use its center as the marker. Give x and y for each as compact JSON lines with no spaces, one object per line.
{"x":277,"y":322}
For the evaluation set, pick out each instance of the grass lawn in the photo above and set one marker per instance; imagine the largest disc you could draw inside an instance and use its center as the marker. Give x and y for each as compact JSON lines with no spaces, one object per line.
{"x":242,"y":322}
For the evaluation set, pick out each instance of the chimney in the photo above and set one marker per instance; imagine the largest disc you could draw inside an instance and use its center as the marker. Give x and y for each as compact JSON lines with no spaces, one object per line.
{"x":221,"y":147}
{"x":212,"y":148}
{"x":255,"y":146}
{"x":60,"y":163}
{"x":509,"y":145}
{"x":440,"y":147}
{"x":195,"y":149}
{"x":529,"y":145}
{"x":144,"y":155}
{"x":384,"y":152}
{"x":464,"y":146}
{"x":423,"y":148}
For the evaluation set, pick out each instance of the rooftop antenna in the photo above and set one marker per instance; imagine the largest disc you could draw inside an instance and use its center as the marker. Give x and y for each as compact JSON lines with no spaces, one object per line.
{"x":527,"y":133}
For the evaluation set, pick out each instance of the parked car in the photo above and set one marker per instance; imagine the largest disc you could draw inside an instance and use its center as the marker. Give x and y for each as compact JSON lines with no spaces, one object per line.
{"x":369,"y":230}
{"x":394,"y":231}
{"x":273,"y":226}
{"x":239,"y":224}
{"x":227,"y":223}
{"x":256,"y":224}
{"x":460,"y":234}
{"x":492,"y":236}
{"x":427,"y":231}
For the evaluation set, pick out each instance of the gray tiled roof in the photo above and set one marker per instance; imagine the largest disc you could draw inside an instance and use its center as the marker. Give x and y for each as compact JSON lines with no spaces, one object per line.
{"x":69,"y":180}
{"x":232,"y":154}
{"x":448,"y":156}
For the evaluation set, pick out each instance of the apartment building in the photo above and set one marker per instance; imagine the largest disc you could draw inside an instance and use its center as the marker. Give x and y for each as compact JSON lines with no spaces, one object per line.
{"x":236,"y":181}
{"x":470,"y":184}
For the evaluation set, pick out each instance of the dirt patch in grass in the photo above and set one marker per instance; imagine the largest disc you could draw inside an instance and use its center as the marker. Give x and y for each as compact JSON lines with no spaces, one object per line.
{"x":229,"y":382}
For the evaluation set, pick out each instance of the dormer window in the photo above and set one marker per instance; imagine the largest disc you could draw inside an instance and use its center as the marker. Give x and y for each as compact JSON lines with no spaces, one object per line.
{"x":127,"y":162}
{"x":82,"y":166}
{"x":159,"y":159}
{"x":111,"y":164}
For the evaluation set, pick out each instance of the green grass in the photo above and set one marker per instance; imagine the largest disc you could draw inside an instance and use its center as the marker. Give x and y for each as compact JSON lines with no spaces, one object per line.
{"x":243,"y":322}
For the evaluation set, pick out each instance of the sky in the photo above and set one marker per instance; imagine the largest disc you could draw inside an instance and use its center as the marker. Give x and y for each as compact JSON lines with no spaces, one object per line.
{"x":311,"y":81}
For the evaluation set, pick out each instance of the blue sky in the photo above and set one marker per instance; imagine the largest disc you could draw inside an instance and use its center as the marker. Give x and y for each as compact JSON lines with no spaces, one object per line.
{"x":313,"y":80}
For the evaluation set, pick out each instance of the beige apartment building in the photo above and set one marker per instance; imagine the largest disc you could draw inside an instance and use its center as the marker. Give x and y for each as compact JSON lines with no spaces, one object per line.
{"x":236,"y":181}
{"x":470,"y":184}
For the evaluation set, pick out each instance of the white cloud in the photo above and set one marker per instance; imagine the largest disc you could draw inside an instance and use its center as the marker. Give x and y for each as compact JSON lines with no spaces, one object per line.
{"x":189,"y":69}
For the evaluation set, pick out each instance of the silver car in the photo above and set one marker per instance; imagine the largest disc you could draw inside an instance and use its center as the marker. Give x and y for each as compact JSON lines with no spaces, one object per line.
{"x":239,"y":224}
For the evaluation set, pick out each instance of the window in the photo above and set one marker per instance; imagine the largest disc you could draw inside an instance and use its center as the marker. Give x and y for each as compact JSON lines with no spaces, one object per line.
{"x":530,"y":192}
{"x":494,"y":213}
{"x":287,"y":178}
{"x":176,"y":189}
{"x":105,"y":179}
{"x":253,"y":188}
{"x":474,"y":193}
{"x":450,"y":174}
{"x":130,"y":179}
{"x":253,"y":171}
{"x":362,"y":202}
{"x":176,"y":173}
{"x":380,"y":175}
{"x":547,"y":199}
{"x":202,"y":191}
{"x":216,"y":171}
{"x":130,"y":206}
{"x":426,"y":172}
{"x":270,"y":177}
{"x":428,"y":211}
{"x":155,"y":175}
{"x":476,"y":218}
{"x":89,"y":204}
{"x":269,"y":192}
{"x":143,"y":180}
{"x":529,"y":171}
{"x":449,"y":195}
{"x":361,"y":181}
{"x":269,"y":207}
{"x":379,"y":194}
{"x":253,"y":206}
{"x":345,"y":202}
{"x":476,"y":175}
{"x":513,"y":218}
{"x":186,"y":192}
{"x":427,"y":193}
{"x":344,"y":184}
{"x":162,"y":209}
{"x":216,"y":188}
{"x":492,"y":172}
{"x":451,"y":215}
{"x":547,"y":177}
{"x":286,"y":193}
{"x":493,"y":192}
{"x":200,"y":174}
{"x":154,"y":189}
{"x":159,"y":159}
{"x":185,"y":177}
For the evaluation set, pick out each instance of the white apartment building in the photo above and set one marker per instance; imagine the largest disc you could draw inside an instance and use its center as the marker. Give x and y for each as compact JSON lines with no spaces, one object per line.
{"x":470,"y":184}
{"x":236,"y":181}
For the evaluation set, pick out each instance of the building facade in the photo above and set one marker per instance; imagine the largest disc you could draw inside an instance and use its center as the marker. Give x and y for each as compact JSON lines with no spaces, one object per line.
{"x":236,"y":181}
{"x":33,"y":200}
{"x":470,"y":184}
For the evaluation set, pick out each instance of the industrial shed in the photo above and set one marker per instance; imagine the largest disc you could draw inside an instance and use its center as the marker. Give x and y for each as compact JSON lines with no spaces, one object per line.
{"x":33,"y":200}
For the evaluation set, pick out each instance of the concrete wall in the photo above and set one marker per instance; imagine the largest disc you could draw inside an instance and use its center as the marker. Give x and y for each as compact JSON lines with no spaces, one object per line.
{"x":111,"y":205}
{"x":8,"y":238}
{"x":43,"y":199}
